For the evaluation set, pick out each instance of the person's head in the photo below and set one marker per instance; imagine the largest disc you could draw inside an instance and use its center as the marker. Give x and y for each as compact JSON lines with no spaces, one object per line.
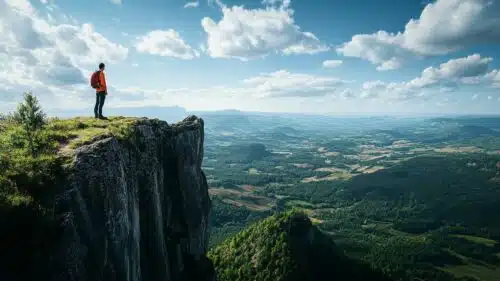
{"x":101,"y":66}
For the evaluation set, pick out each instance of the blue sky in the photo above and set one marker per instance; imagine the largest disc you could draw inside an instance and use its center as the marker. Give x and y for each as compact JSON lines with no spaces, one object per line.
{"x":341,"y":56}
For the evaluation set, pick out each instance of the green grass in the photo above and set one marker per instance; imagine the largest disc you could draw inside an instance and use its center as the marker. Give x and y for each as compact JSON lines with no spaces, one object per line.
{"x":463,"y":258}
{"x":477,"y":239}
{"x":78,"y":131}
{"x":480,"y":272}
{"x":299,"y":203}
{"x":388,"y":229}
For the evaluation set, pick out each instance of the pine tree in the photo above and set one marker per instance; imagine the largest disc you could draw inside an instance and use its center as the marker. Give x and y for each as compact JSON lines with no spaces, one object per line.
{"x":30,"y":116}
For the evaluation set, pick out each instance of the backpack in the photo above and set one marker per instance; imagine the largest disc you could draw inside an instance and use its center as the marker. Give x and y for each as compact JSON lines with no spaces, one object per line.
{"x":94,"y":80}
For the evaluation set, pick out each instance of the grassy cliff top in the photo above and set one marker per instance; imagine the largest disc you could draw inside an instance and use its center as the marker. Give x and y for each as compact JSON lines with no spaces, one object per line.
{"x":59,"y":133}
{"x":25,"y":177}
{"x":81,"y":130}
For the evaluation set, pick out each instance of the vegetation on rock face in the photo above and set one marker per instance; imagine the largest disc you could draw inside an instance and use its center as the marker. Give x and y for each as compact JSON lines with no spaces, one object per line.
{"x":34,"y":156}
{"x":283,"y":247}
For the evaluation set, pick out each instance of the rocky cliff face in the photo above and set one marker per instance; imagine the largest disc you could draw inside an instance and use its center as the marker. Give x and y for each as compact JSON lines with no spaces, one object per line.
{"x":137,"y":210}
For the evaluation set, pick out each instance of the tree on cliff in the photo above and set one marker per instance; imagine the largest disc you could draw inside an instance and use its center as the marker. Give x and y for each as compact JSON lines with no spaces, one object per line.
{"x":30,"y":116}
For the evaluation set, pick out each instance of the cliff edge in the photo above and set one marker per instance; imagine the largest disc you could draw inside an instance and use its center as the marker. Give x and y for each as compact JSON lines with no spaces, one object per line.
{"x":136,"y":209}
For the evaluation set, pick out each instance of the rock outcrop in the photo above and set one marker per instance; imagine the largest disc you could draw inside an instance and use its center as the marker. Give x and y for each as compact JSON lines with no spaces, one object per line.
{"x":136,"y":209}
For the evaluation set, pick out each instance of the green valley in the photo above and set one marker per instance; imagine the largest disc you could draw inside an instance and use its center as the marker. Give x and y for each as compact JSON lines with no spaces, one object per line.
{"x":416,"y":199}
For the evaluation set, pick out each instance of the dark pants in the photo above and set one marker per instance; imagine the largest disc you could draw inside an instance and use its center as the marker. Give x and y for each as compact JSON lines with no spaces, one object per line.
{"x":99,"y":103}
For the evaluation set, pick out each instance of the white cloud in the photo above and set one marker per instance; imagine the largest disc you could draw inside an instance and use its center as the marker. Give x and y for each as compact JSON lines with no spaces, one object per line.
{"x":447,"y":77}
{"x":347,"y":94}
{"x":253,"y":33}
{"x":392,"y":63}
{"x":282,"y":3}
{"x":193,"y":4}
{"x":283,"y":83}
{"x":44,"y":1}
{"x":24,"y":31}
{"x":85,"y":45}
{"x":490,"y":97}
{"x":117,"y":2}
{"x":461,"y":70}
{"x":443,"y":27}
{"x":56,"y":69}
{"x":332,"y":63}
{"x":167,"y":43}
{"x":271,"y":87}
{"x":381,"y":48}
{"x":475,"y":96}
{"x":494,"y":77}
{"x":372,"y":89}
{"x":446,"y":89}
{"x":21,"y":7}
{"x":50,"y":59}
{"x":450,"y":25}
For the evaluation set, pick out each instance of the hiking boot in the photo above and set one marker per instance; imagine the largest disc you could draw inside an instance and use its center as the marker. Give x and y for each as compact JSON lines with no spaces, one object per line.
{"x":103,"y":117}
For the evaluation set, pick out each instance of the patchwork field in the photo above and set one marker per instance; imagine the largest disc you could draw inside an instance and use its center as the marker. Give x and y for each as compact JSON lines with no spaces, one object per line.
{"x":480,"y":272}
{"x":253,"y":171}
{"x":243,"y":198}
{"x":302,"y":165}
{"x":329,"y":169}
{"x":331,"y":177}
{"x":477,"y":239}
{"x":463,"y":149}
{"x":368,"y":169}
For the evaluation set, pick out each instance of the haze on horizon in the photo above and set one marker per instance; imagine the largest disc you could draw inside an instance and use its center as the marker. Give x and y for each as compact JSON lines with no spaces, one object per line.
{"x":348,"y":57}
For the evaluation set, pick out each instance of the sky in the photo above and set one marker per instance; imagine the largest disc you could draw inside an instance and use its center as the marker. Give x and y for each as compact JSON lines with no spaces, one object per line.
{"x":321,"y":56}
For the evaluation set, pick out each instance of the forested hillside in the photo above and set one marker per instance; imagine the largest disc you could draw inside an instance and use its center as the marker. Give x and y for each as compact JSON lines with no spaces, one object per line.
{"x":286,"y":247}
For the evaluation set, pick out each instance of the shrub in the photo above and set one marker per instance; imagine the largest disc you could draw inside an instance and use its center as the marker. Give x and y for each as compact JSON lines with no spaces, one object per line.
{"x":30,"y":116}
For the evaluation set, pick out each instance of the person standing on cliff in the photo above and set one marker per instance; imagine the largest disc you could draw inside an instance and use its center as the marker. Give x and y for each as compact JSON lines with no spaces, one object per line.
{"x":98,"y":82}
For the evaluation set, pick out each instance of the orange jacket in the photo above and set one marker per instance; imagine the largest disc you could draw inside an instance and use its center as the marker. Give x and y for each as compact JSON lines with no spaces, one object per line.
{"x":102,"y":82}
